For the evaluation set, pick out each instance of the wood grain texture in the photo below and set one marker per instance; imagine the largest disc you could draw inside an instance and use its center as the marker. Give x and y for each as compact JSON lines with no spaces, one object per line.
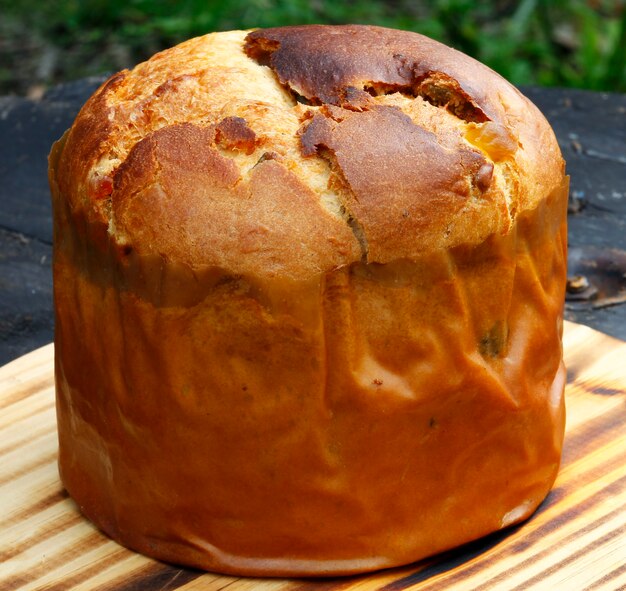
{"x":575,"y":541}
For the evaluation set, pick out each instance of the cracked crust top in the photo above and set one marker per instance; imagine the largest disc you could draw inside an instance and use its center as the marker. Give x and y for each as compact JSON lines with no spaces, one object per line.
{"x":289,"y":152}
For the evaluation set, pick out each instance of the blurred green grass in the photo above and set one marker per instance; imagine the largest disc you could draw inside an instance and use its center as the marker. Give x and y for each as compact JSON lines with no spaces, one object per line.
{"x":576,"y":43}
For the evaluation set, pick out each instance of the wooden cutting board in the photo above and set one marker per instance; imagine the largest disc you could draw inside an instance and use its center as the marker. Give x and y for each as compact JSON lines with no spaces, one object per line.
{"x":576,"y":540}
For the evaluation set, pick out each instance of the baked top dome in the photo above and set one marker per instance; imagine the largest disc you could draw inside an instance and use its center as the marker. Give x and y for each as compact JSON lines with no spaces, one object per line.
{"x":290,"y":152}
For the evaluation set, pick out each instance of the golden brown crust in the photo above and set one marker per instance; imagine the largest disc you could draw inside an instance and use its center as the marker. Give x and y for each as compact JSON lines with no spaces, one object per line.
{"x":403,"y":180}
{"x":281,"y":226}
{"x":483,"y":156}
{"x":324,"y":63}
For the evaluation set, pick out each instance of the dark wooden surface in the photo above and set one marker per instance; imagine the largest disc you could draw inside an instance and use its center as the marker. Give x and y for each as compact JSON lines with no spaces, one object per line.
{"x":591,"y":128}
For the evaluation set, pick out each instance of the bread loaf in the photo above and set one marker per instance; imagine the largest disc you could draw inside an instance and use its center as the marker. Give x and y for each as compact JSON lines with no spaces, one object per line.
{"x":308,"y":286}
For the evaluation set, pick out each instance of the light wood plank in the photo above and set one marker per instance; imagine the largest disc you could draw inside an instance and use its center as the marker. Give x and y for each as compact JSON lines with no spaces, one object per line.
{"x":576,"y":540}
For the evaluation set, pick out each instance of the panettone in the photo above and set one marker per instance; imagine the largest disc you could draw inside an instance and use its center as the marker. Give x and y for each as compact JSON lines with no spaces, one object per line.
{"x":308,"y":286}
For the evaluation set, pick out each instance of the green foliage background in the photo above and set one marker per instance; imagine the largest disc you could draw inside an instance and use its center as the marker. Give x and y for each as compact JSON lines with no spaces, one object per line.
{"x":580,"y":43}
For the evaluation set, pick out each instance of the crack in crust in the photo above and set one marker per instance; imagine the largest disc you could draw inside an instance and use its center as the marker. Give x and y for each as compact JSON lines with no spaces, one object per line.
{"x":423,"y":180}
{"x":281,"y":225}
{"x":407,"y":144}
{"x":330,"y":74}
